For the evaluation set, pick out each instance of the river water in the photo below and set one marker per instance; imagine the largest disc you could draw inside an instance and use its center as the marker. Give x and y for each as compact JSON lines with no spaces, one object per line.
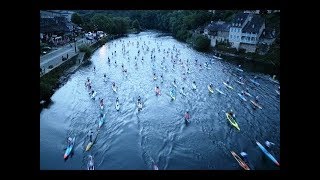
{"x":132,"y":140}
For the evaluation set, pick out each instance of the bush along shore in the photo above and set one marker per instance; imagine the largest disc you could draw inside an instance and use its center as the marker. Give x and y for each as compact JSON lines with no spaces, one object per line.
{"x":54,"y":79}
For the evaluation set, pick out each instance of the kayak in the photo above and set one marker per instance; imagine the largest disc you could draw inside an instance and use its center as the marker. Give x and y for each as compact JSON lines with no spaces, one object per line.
{"x":101,"y":107}
{"x":240,"y":161}
{"x":267,"y":153}
{"x":194,"y":87}
{"x":220,"y":91}
{"x":210,"y":89}
{"x":91,"y":143}
{"x":255,"y":82}
{"x":117,"y":105}
{"x":101,"y":121}
{"x":69,"y":149}
{"x":172,"y":95}
{"x":256,"y":104}
{"x":278,"y":92}
{"x":154,"y":78}
{"x":232,"y":121}
{"x":243,"y":98}
{"x":248,"y":94}
{"x":275,"y":81}
{"x":239,"y":82}
{"x":227,"y":85}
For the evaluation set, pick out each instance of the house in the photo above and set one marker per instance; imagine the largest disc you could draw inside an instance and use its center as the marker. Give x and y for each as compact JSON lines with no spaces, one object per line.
{"x":245,"y":31}
{"x":251,"y":33}
{"x":217,"y":32}
{"x":268,"y":36}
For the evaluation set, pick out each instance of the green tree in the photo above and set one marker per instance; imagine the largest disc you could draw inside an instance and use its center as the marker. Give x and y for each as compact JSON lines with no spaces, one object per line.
{"x":201,"y":43}
{"x":136,"y":25}
{"x":77,"y":19}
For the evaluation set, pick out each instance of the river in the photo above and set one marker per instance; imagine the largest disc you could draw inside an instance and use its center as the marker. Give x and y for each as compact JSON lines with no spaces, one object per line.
{"x":132,"y":140}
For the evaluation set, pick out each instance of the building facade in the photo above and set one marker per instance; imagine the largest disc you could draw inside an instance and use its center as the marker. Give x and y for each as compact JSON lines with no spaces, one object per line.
{"x":245,"y":31}
{"x":217,"y":32}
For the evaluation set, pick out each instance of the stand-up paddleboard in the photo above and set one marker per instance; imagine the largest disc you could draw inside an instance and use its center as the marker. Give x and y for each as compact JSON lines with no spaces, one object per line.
{"x":139,"y":105}
{"x":219,"y":91}
{"x":273,"y":80}
{"x":210,"y":89}
{"x":69,"y":149}
{"x":278,"y":92}
{"x":228,"y":86}
{"x":94,"y":95}
{"x":239,"y":82}
{"x":101,"y":121}
{"x":117,"y":105}
{"x":182,"y":92}
{"x":267,"y":153}
{"x":157,"y":91}
{"x":172,"y":94}
{"x":114,"y":88}
{"x":175,"y":85}
{"x":255,"y":104}
{"x":239,"y":69}
{"x":194,"y":87}
{"x":243,"y":98}
{"x":240,"y":161}
{"x":255,"y":82}
{"x":248,"y":94}
{"x":90,"y":165}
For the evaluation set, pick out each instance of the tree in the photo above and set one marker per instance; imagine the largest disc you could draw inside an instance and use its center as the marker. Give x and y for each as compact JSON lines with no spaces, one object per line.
{"x":75,"y":18}
{"x":136,"y":25}
{"x":201,"y":43}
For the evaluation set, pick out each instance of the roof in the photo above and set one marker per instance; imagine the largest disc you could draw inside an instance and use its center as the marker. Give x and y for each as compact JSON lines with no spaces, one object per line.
{"x":239,"y":19}
{"x":219,"y":26}
{"x":53,"y":25}
{"x":254,"y":25}
{"x":268,"y":34}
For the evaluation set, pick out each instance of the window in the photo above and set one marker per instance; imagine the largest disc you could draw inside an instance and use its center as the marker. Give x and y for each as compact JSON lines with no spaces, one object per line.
{"x":238,"y":30}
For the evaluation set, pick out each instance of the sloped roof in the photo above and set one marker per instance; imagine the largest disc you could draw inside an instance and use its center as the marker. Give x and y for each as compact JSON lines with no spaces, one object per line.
{"x":239,"y":19}
{"x":254,"y":25}
{"x":219,"y":26}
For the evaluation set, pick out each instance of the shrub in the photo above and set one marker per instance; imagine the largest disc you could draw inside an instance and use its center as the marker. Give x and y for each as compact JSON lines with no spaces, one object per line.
{"x":86,"y":49}
{"x":201,"y":42}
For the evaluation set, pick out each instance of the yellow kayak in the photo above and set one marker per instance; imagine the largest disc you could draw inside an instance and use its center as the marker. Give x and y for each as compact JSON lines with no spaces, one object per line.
{"x":232,"y":121}
{"x":89,"y":146}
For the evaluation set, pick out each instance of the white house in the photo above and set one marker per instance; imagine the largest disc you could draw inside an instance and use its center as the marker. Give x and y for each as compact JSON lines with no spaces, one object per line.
{"x":245,"y":31}
{"x":217,"y":31}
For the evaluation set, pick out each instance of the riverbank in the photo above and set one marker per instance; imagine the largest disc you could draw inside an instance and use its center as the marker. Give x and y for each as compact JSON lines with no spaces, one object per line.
{"x":59,"y":75}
